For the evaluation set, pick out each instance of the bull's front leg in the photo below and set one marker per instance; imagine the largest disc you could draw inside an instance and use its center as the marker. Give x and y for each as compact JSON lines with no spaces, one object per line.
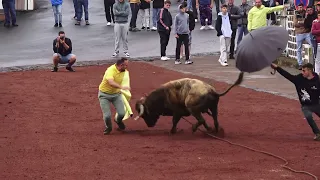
{"x":175,"y":120}
{"x":201,"y":121}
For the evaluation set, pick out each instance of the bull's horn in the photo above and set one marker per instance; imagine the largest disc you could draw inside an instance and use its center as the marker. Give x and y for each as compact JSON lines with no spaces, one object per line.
{"x":141,"y":110}
{"x":136,"y":118}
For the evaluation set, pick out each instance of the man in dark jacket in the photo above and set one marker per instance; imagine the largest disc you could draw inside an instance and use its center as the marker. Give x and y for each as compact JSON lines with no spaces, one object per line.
{"x":164,"y":28}
{"x":235,"y":14}
{"x":62,"y":48}
{"x":243,"y":21}
{"x":157,"y":5}
{"x":308,"y":88}
{"x":9,"y":12}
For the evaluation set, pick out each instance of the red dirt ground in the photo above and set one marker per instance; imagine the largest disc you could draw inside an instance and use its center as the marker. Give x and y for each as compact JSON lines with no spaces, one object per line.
{"x":51,"y":128}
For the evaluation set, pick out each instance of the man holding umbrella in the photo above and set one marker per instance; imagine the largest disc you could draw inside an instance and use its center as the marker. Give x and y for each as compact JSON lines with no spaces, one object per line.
{"x":308,"y":88}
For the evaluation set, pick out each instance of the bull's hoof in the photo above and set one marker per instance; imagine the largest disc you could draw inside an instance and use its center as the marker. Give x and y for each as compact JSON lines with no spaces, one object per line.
{"x":173,"y":131}
{"x":194,"y":128}
{"x":219,"y":133}
{"x":209,"y":129}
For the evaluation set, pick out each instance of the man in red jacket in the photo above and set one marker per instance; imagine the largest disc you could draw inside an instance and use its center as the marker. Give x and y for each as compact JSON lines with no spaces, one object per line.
{"x":315,"y":30}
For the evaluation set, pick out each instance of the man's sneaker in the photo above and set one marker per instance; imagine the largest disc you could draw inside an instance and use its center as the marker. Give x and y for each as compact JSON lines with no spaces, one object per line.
{"x":107,"y":131}
{"x":196,"y":20}
{"x":56,"y":25}
{"x":231,"y":56}
{"x":223,"y":63}
{"x":164,"y":58}
{"x":211,"y":27}
{"x":60,"y":24}
{"x":120,"y":125}
{"x":70,"y":69}
{"x":115,"y":54}
{"x":77,"y":23}
{"x":188,"y":62}
{"x":87,"y":22}
{"x":126,"y":54}
{"x":143,"y":28}
{"x":177,"y":61}
{"x":108,"y":23}
{"x":148,"y":28}
{"x":317,"y":137}
{"x":202,"y":27}
{"x":54,"y":69}
{"x":153,"y":29}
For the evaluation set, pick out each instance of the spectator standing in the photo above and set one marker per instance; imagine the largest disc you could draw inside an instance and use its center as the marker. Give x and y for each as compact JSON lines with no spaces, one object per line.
{"x":316,"y":32}
{"x":235,"y":14}
{"x":62,"y":48}
{"x":121,"y":10}
{"x":157,"y":5}
{"x":135,"y":6}
{"x":9,"y":10}
{"x":181,"y":29}
{"x":205,"y":8}
{"x":144,"y":13}
{"x":108,"y":6}
{"x":302,"y":22}
{"x":224,"y":32}
{"x":192,"y":24}
{"x":243,"y":21}
{"x":164,"y":28}
{"x":257,"y":15}
{"x":83,"y":6}
{"x":57,"y":12}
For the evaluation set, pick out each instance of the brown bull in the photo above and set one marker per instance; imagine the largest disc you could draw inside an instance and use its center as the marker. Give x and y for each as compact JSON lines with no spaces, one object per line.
{"x":182,"y":97}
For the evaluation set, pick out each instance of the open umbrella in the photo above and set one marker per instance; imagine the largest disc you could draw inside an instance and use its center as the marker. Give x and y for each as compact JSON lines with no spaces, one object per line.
{"x":259,"y":48}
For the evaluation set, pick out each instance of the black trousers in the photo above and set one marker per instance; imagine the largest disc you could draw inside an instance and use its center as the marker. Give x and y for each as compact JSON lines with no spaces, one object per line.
{"x":194,"y":9}
{"x":134,"y":11}
{"x":164,"y":40}
{"x":232,"y":43}
{"x":183,"y":38}
{"x":108,"y":10}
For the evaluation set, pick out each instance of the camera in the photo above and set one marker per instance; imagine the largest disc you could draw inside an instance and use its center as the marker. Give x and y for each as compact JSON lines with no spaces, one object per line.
{"x":62,"y":37}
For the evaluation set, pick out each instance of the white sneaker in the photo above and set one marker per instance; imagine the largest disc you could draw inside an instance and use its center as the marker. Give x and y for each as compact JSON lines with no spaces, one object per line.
{"x":223,"y":63}
{"x":188,"y":62}
{"x":196,"y":20}
{"x":153,"y":29}
{"x":164,"y":58}
{"x":211,"y":27}
{"x":202,"y":27}
{"x":115,"y":54}
{"x":177,"y":62}
{"x":126,"y":54}
{"x":108,"y":23}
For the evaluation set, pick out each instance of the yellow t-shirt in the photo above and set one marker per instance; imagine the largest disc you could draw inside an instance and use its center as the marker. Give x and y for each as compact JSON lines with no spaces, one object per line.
{"x":111,"y":73}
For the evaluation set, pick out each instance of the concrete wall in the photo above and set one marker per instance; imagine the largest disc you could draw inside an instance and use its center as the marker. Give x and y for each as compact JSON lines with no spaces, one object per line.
{"x":22,"y":5}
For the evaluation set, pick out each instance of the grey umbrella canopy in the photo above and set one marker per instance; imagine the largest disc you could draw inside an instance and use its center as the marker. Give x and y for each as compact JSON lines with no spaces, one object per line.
{"x":259,"y":48}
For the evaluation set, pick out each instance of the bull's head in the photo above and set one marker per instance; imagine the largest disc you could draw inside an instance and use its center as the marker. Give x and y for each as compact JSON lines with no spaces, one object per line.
{"x":144,"y":113}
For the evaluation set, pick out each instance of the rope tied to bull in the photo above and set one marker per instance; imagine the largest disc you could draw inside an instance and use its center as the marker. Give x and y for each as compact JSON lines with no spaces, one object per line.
{"x":285,"y":165}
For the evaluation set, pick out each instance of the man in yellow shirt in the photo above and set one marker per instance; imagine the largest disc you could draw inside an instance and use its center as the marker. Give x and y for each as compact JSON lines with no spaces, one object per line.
{"x":257,"y":16}
{"x":109,"y":91}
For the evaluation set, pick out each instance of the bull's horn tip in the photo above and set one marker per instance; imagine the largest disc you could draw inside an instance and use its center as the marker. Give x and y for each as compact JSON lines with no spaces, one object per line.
{"x":136,"y":118}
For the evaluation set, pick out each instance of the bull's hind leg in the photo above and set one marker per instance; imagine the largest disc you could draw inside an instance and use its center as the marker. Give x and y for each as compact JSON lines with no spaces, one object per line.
{"x":214,"y":113}
{"x":201,"y":121}
{"x":175,"y":120}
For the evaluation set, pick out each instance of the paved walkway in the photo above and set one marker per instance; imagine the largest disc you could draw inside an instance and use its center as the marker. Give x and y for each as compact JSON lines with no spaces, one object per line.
{"x":209,"y":67}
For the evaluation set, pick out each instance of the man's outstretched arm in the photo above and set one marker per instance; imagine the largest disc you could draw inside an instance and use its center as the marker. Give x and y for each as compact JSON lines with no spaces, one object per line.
{"x":284,"y":73}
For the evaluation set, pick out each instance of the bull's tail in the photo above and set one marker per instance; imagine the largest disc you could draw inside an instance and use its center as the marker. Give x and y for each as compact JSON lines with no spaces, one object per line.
{"x":239,"y":81}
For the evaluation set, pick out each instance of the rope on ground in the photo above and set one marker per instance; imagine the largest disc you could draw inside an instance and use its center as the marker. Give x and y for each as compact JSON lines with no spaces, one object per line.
{"x":285,"y":165}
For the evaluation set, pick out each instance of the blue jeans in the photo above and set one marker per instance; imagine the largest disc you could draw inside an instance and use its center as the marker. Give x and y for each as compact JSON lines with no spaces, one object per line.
{"x":155,"y":13}
{"x":314,"y":45}
{"x":242,"y":30}
{"x":64,"y":59}
{"x":307,"y":111}
{"x":57,"y":12}
{"x":84,"y":4}
{"x":300,"y":38}
{"x":9,"y":10}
